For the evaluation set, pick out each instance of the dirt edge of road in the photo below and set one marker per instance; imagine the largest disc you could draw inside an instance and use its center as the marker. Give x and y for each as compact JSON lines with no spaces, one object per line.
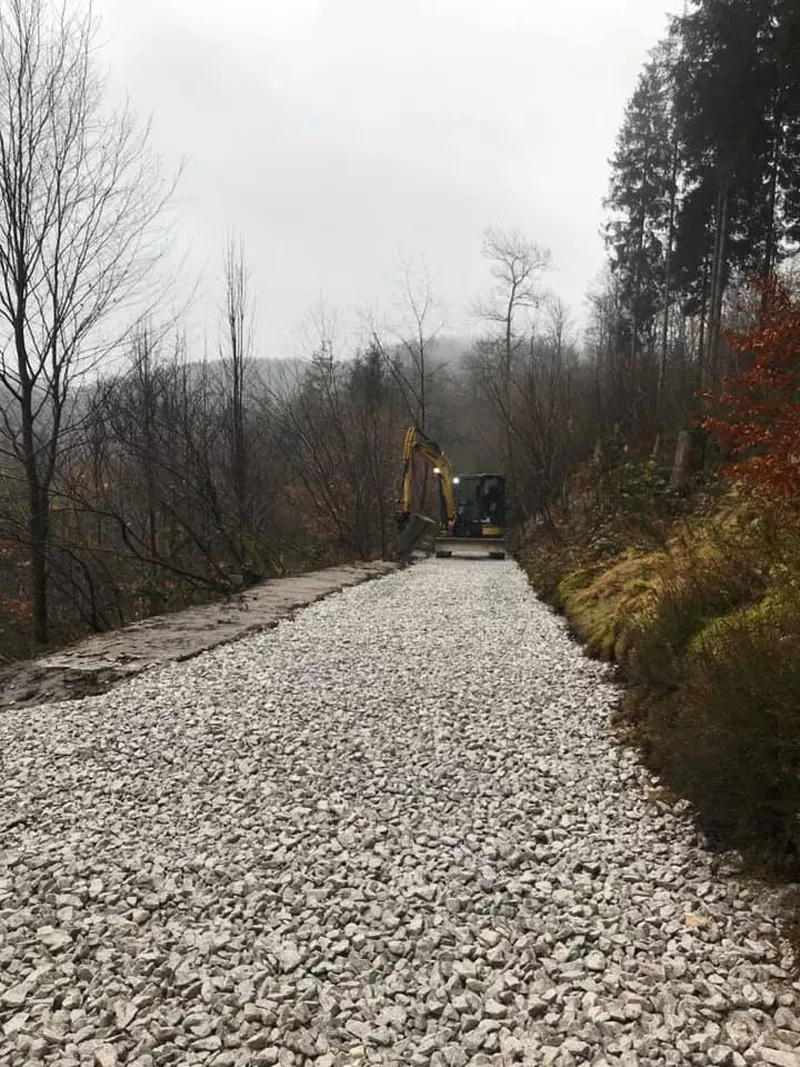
{"x":99,"y":662}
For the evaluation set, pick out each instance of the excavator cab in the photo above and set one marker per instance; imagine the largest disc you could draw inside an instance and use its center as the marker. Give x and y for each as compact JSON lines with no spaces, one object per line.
{"x":480,"y":501}
{"x":480,"y":505}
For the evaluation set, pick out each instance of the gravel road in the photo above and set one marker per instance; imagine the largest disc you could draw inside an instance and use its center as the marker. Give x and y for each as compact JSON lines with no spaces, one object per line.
{"x":391,"y":831}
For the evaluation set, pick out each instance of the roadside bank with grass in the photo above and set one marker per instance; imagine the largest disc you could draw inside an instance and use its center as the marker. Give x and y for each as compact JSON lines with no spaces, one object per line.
{"x":701,"y":613}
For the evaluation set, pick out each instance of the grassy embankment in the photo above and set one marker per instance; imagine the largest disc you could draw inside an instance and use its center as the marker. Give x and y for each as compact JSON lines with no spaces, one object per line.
{"x":698,"y":602}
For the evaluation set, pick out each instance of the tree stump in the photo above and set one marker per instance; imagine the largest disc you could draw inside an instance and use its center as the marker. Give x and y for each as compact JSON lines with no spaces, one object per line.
{"x":690,"y":455}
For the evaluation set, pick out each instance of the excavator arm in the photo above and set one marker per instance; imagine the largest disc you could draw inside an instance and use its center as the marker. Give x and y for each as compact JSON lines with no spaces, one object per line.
{"x":418,"y":447}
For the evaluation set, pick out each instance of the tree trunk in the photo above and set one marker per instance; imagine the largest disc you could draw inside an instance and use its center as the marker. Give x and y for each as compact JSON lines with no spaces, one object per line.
{"x":717,"y":284}
{"x":662,"y":366}
{"x":723,"y":250}
{"x":38,"y":508}
{"x":771,"y":241}
{"x":689,"y":458}
{"x":38,"y":524}
{"x":634,"y":378}
{"x":149,"y":458}
{"x":239,"y":445}
{"x":701,"y":340}
{"x":712,"y":298}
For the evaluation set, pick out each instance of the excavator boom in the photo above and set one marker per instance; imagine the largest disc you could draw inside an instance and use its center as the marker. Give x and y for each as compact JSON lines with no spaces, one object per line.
{"x":416,"y":445}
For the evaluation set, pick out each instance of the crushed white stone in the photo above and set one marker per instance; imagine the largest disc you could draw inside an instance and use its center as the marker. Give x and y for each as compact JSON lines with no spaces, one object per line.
{"x":392,"y":831}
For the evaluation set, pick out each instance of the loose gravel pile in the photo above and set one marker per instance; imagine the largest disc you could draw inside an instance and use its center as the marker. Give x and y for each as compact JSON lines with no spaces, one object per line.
{"x":392,"y":831}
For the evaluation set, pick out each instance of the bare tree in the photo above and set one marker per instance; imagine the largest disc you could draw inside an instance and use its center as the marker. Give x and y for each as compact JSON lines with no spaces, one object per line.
{"x":236,"y":356}
{"x":516,"y":264}
{"x":143,"y":373}
{"x":80,"y":196}
{"x":418,"y":323}
{"x":339,"y":425}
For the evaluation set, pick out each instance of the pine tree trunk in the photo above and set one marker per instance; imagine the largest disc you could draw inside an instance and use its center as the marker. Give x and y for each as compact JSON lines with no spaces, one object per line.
{"x":712,"y":299}
{"x":708,"y":372}
{"x":770,"y":244}
{"x":716,"y":331}
{"x":662,"y":366}
{"x":701,"y":342}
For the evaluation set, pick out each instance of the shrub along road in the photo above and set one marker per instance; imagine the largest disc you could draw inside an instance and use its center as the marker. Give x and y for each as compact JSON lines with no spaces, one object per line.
{"x":393,"y":830}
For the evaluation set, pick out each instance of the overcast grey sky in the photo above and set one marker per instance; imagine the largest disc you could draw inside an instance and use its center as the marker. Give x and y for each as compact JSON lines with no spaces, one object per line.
{"x":340,"y":135}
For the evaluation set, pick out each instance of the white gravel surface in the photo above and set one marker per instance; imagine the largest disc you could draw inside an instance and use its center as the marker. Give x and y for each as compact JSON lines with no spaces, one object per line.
{"x":392,"y":831}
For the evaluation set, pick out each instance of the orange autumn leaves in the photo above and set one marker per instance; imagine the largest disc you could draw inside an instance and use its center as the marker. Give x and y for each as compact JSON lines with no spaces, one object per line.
{"x":757,"y":415}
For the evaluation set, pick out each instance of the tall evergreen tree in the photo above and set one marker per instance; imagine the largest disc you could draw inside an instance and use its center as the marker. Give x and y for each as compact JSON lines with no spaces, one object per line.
{"x":639,"y":198}
{"x":639,"y":233}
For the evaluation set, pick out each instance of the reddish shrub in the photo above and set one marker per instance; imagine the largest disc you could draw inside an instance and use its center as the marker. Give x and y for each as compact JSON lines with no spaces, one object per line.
{"x":758,"y":413}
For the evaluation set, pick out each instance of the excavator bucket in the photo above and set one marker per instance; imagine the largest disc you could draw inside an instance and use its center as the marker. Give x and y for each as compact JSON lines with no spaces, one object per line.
{"x":412,"y":533}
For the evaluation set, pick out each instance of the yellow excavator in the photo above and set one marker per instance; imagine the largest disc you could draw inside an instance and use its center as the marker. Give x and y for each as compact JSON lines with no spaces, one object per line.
{"x":472,"y":506}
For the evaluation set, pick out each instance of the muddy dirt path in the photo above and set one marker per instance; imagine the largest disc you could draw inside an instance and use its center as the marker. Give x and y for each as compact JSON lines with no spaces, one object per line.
{"x":96,"y":664}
